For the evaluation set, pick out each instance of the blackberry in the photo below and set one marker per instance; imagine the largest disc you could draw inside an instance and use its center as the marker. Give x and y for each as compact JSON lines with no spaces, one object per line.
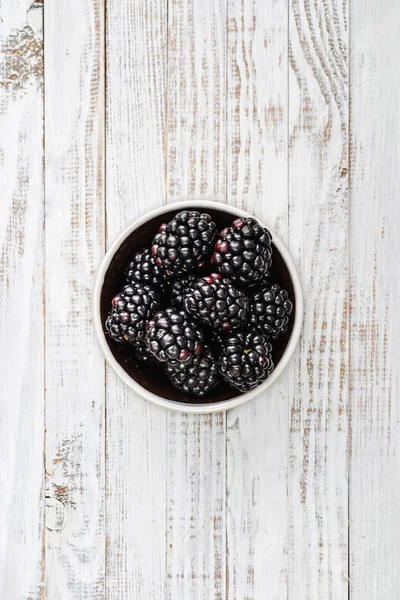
{"x":172,"y":338}
{"x":217,"y":303}
{"x":198,"y":378}
{"x":243,"y":251}
{"x":141,"y":352}
{"x":270,"y":310}
{"x":130,"y":311}
{"x":143,"y":269}
{"x":185,"y":243}
{"x":246,"y":360}
{"x":180,"y":287}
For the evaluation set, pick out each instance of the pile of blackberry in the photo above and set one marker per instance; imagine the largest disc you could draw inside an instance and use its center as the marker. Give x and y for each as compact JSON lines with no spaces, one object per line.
{"x":202,"y":305}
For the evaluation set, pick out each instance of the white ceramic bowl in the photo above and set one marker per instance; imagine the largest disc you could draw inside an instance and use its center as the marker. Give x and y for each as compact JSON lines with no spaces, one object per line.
{"x":203,"y":406}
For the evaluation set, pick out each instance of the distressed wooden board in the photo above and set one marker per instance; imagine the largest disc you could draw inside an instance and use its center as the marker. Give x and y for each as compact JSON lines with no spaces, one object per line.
{"x":374,"y":316}
{"x":135,"y":183}
{"x":196,"y":98}
{"x":74,"y":245}
{"x":196,"y":530}
{"x":21,"y":283}
{"x":243,"y":101}
{"x":318,"y":225}
{"x":257,"y":433}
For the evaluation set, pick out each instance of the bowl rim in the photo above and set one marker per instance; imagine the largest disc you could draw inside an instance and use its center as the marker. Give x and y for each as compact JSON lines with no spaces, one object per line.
{"x":186,"y":406}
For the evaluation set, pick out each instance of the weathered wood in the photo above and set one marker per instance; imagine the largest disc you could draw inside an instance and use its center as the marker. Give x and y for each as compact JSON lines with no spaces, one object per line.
{"x":21,"y":305}
{"x":257,"y":433}
{"x":196,"y":566}
{"x":318,"y":225}
{"x":374,"y":314}
{"x":74,"y":245}
{"x":244,"y":101}
{"x":197,"y":98}
{"x":135,"y":183}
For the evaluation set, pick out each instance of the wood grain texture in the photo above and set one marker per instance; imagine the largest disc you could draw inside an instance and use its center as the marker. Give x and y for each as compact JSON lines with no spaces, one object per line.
{"x":375,"y":295}
{"x":295,"y":495}
{"x":196,"y":526}
{"x":257,"y":433}
{"x":74,"y":245}
{"x":21,"y":283}
{"x":196,"y":98}
{"x":135,"y":183}
{"x":196,"y":506}
{"x":318,"y":237}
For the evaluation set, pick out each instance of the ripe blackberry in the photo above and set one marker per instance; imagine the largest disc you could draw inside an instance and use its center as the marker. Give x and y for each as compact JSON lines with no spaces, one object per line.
{"x":141,"y":352}
{"x":217,"y":303}
{"x":246,"y":360}
{"x":198,"y":378}
{"x":270,"y":310}
{"x":185,"y":243}
{"x":130,"y":311}
{"x":243,"y":251}
{"x":172,"y":338}
{"x":143,"y":269}
{"x":180,"y":287}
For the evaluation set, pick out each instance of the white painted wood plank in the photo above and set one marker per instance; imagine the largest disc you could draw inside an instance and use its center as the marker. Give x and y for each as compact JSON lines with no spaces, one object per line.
{"x":375,"y":289}
{"x":257,"y":433}
{"x":196,"y":98}
{"x":74,"y":245}
{"x":135,"y":183}
{"x":21,"y":303}
{"x":318,"y":224}
{"x":196,"y":542}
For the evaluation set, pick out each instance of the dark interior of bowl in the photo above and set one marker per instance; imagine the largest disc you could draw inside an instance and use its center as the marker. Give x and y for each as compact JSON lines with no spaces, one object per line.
{"x":148,"y":376}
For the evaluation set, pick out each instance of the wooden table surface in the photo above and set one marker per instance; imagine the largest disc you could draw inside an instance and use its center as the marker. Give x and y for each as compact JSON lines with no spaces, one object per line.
{"x":289,"y":109}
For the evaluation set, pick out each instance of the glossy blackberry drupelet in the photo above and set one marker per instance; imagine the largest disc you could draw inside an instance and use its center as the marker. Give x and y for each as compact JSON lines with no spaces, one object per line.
{"x":172,"y":338}
{"x":130,"y":312}
{"x":185,"y":243}
{"x":217,"y":303}
{"x":143,"y":269}
{"x":270,"y":310}
{"x":246,"y":360}
{"x":243,"y":252}
{"x":198,"y":378}
{"x":180,"y":287}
